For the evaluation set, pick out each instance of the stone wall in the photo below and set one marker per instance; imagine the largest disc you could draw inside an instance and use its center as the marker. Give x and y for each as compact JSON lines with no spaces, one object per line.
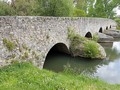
{"x":33,"y":36}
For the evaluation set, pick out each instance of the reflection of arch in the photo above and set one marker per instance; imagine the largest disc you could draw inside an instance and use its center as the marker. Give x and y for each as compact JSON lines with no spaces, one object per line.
{"x":88,"y":35}
{"x":100,"y":30}
{"x":107,"y":28}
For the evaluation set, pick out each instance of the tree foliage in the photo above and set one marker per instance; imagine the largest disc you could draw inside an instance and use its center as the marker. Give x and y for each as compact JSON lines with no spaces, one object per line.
{"x":79,"y":13}
{"x":103,"y":8}
{"x":77,"y":8}
{"x":118,"y":22}
{"x":55,"y":7}
{"x":5,"y":9}
{"x":24,"y":7}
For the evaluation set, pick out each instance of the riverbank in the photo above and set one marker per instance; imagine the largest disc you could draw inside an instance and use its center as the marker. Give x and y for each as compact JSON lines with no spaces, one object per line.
{"x":25,"y":76}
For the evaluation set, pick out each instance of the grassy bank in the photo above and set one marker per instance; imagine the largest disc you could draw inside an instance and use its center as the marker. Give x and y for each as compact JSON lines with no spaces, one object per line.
{"x":25,"y":76}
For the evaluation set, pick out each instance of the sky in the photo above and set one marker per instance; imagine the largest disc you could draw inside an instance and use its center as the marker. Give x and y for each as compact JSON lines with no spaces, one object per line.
{"x":117,"y":11}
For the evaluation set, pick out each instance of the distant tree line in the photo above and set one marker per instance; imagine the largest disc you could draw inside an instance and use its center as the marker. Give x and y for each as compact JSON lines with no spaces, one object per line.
{"x":76,"y":8}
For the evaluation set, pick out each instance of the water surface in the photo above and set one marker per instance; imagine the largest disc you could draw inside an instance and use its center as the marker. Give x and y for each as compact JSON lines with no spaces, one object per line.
{"x":107,"y":70}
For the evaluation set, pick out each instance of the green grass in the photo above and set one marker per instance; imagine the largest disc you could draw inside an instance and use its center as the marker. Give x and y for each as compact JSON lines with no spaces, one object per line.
{"x":25,"y":76}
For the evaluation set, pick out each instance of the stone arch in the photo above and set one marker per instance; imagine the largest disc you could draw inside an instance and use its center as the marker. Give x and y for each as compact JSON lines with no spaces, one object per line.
{"x":100,"y":30}
{"x":106,"y":27}
{"x":110,"y":26}
{"x":58,"y":47}
{"x":88,"y":35}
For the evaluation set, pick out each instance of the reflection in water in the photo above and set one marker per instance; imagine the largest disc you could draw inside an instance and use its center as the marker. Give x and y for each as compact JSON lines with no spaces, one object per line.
{"x":108,"y":70}
{"x":57,"y":62}
{"x":116,"y":46}
{"x":111,"y":71}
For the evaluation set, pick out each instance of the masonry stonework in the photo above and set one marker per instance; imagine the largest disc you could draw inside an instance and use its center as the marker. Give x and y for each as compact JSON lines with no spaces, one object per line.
{"x":34,"y":36}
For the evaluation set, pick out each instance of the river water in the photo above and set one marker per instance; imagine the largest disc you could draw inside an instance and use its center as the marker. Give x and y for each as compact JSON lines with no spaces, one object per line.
{"x":107,"y":70}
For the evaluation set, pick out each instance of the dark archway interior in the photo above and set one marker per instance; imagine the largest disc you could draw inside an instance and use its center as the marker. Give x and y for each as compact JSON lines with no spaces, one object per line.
{"x":100,"y":30}
{"x":110,"y":26}
{"x":88,"y":35}
{"x":107,"y":28}
{"x":57,"y":49}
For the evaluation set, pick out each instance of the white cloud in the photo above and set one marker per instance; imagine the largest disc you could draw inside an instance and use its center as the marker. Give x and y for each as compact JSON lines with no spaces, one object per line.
{"x":117,"y":10}
{"x":110,"y":72}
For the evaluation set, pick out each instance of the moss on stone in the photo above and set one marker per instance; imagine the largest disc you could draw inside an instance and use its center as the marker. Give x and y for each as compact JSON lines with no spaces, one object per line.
{"x":25,"y":55}
{"x":10,"y":45}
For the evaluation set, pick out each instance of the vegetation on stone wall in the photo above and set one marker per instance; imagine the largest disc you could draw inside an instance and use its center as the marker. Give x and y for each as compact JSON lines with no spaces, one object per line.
{"x":25,"y":55}
{"x":95,"y":38}
{"x":83,"y":47}
{"x":91,"y":49}
{"x":10,"y":45}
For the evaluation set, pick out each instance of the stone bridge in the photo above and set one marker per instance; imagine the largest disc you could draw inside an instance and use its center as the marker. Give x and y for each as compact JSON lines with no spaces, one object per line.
{"x":32,"y":37}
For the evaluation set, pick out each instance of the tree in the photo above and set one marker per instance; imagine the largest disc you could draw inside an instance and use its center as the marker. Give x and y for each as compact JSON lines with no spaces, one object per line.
{"x":83,"y":5}
{"x":78,"y":13}
{"x":55,"y":7}
{"x":5,"y":9}
{"x":103,"y":8}
{"x":24,"y":7}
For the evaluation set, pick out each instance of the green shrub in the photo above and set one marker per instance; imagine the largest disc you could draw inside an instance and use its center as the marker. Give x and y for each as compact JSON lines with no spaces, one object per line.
{"x":73,"y":36}
{"x":71,"y":33}
{"x":9,"y":44}
{"x":90,"y":49}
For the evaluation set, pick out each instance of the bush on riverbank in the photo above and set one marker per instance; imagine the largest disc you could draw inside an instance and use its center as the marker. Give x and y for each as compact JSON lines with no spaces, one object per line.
{"x":25,"y":76}
{"x":83,"y":47}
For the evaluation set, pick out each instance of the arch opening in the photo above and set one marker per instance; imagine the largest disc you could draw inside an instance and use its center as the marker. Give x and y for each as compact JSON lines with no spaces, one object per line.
{"x":110,"y":26}
{"x":100,"y":30}
{"x":107,"y":28}
{"x":59,"y":48}
{"x":88,"y":35}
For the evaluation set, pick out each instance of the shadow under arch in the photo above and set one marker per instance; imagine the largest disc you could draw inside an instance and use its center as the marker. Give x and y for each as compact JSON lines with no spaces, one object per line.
{"x":88,"y":35}
{"x":110,"y":26}
{"x":100,"y":30}
{"x":56,"y":49}
{"x":106,"y":27}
